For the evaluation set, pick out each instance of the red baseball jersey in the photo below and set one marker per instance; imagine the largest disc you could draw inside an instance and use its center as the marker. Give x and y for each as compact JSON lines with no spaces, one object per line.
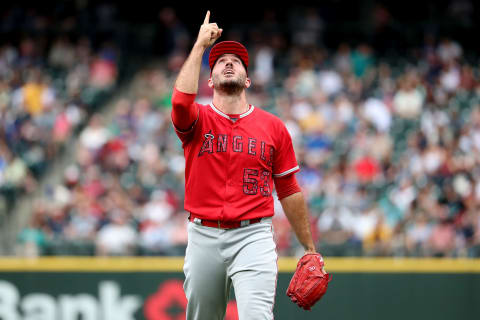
{"x":230,"y":163}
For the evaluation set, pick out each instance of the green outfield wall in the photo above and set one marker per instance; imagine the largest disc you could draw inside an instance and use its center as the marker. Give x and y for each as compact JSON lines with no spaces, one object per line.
{"x":151,"y":288}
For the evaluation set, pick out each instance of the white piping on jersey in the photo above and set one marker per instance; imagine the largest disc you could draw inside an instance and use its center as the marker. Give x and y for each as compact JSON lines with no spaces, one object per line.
{"x":285,"y":172}
{"x":226,"y":116}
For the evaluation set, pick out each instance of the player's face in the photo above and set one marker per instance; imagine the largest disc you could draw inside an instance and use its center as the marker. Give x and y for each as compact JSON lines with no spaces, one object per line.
{"x":229,"y":74}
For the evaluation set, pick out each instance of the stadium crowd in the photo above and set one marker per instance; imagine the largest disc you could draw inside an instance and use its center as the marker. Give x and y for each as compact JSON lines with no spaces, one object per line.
{"x":51,"y":78}
{"x":45,"y":96}
{"x":389,"y":150}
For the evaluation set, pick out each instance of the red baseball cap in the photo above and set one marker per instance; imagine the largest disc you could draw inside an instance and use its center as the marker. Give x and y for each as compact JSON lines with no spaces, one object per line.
{"x":228,"y":47}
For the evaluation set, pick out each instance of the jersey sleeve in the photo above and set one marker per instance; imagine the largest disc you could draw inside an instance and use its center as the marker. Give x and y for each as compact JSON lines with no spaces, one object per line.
{"x":286,"y":186}
{"x":284,"y":161}
{"x":185,"y":114}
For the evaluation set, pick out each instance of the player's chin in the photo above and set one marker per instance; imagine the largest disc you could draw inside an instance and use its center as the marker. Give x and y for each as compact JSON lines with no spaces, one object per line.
{"x":229,"y":77}
{"x":231,"y":82}
{"x":231,"y":87}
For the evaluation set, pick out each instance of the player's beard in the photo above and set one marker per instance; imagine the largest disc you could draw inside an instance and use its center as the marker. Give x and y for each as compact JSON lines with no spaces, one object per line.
{"x":230,"y":86}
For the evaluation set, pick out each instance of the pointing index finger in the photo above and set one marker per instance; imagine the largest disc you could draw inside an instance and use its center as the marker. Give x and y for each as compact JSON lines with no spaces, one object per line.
{"x":207,"y":18}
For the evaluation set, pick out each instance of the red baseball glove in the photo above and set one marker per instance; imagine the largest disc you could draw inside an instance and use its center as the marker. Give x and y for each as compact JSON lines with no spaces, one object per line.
{"x":310,"y":281}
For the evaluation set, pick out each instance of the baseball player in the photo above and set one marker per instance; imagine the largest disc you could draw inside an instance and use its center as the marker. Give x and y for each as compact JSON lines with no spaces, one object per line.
{"x":234,"y":154}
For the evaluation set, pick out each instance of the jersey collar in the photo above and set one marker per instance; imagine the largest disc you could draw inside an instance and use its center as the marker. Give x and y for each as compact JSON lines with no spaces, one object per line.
{"x":226,"y":116}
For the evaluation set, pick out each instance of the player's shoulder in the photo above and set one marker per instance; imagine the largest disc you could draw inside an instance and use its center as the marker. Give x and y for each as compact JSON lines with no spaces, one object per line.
{"x":268,"y":117}
{"x":203,"y":106}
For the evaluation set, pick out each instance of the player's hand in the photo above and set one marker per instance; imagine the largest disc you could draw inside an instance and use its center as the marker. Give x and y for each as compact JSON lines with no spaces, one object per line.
{"x":313,"y":251}
{"x":209,"y":32}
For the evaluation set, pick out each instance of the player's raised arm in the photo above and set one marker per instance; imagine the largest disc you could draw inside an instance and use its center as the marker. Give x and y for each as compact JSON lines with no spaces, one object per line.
{"x":187,"y":80}
{"x":184,"y":111}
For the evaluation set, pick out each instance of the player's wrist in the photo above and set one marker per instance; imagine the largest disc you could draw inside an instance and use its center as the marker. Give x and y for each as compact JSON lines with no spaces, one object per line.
{"x":200,"y":46}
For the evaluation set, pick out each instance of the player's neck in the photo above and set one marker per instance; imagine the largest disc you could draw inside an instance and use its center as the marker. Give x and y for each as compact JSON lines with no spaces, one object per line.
{"x":231,"y":104}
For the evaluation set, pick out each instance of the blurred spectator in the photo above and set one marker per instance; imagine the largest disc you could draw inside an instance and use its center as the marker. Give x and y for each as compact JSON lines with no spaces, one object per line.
{"x":307,"y":26}
{"x":95,"y":135}
{"x":103,"y":68}
{"x":341,"y":59}
{"x":118,"y":237}
{"x":263,"y":72}
{"x":32,"y":240}
{"x":377,"y":241}
{"x":408,"y":101}
{"x":366,"y":168}
{"x":449,"y":51}
{"x":378,"y":113}
{"x":62,"y":54}
{"x":442,"y":239}
{"x":418,"y":233}
{"x":336,"y":226}
{"x":361,"y":60}
{"x":174,"y":38}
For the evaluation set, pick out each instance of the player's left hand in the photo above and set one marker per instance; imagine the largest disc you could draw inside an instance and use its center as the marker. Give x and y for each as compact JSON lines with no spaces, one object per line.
{"x":209,"y":32}
{"x":310,"y":281}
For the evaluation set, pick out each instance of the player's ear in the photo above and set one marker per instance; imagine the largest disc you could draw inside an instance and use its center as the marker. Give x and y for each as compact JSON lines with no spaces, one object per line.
{"x":210,"y":83}
{"x":248,"y":83}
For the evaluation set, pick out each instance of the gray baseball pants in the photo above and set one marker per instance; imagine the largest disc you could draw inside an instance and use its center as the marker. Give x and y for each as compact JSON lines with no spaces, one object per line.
{"x":217,"y":258}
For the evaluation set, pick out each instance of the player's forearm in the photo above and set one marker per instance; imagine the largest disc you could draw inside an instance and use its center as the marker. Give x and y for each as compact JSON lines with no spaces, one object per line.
{"x":295,"y":209}
{"x":187,"y":79}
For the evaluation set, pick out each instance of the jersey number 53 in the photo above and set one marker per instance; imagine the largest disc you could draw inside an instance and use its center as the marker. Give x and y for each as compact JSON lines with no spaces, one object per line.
{"x":251,"y":180}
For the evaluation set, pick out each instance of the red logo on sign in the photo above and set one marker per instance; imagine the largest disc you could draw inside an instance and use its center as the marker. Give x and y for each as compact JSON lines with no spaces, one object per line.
{"x":170,"y":294}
